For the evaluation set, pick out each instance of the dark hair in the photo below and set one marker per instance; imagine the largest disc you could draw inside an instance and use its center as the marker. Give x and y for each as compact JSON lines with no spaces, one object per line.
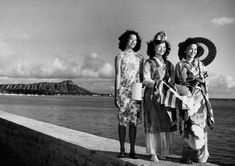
{"x":151,"y":48}
{"x":123,"y":39}
{"x":184,"y":45}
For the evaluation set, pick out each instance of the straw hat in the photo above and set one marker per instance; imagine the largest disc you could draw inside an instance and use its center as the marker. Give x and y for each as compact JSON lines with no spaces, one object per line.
{"x":206,"y":50}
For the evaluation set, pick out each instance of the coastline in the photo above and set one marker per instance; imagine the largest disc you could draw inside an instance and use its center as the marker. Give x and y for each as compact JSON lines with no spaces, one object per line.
{"x":93,"y":95}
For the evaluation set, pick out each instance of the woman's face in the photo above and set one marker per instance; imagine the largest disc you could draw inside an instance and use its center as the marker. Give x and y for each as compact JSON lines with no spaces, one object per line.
{"x":132,"y":41}
{"x":191,"y":51}
{"x":160,"y":49}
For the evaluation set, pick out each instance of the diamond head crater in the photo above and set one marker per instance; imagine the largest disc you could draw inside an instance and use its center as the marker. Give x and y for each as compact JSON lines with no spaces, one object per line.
{"x":66,"y":87}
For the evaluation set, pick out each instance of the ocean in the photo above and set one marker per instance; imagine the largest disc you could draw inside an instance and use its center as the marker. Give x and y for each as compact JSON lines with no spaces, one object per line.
{"x":98,"y":115}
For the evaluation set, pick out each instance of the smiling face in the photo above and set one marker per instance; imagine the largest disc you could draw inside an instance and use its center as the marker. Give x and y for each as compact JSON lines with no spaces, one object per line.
{"x":191,"y":51}
{"x":160,"y":49}
{"x":132,"y":41}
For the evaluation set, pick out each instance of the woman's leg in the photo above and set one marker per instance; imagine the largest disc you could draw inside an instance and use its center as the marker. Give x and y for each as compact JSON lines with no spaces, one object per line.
{"x":132,"y":136}
{"x":122,"y":136}
{"x":151,"y":146}
{"x":162,"y":145}
{"x":169,"y":140}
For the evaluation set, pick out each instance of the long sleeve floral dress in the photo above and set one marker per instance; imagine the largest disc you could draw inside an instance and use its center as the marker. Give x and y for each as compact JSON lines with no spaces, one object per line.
{"x":191,"y":79}
{"x":157,"y":117}
{"x":131,"y":71}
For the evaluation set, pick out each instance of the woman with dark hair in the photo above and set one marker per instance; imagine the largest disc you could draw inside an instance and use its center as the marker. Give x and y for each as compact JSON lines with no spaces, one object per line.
{"x":191,"y":82}
{"x":128,"y":67}
{"x":159,"y":120}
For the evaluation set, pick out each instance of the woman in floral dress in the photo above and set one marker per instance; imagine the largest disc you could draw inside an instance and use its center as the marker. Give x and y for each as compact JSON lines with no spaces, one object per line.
{"x":191,"y":81}
{"x":128,"y":67}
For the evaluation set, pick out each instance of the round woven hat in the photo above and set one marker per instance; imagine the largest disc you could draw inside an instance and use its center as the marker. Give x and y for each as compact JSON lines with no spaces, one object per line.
{"x":206,"y":50}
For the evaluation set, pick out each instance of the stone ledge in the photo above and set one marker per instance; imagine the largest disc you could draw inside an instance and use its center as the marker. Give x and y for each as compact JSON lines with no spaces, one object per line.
{"x":41,"y":143}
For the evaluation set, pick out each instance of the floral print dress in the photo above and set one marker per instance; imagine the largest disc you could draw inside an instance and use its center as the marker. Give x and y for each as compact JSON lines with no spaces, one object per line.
{"x":130,"y":73}
{"x":191,"y":76}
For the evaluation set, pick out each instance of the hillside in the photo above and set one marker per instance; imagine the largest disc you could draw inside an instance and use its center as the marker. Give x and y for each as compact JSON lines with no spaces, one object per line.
{"x":45,"y":88}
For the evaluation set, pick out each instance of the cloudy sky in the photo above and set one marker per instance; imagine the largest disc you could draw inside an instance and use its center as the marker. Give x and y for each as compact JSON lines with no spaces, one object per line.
{"x":54,"y":40}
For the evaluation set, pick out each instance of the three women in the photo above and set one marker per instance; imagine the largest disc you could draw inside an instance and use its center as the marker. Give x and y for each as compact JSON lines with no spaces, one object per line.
{"x":160,"y":121}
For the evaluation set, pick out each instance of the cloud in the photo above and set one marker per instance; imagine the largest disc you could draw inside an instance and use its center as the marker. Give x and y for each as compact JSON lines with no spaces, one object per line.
{"x":221,"y":21}
{"x":22,"y":36}
{"x":225,"y":81}
{"x":106,"y":70}
{"x":95,"y":66}
{"x":92,"y":66}
{"x":86,"y":66}
{"x":221,"y":86}
{"x":5,"y":49}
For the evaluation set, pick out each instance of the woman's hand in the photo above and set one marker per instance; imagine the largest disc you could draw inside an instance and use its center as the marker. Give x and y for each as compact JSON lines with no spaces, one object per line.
{"x":116,"y":102}
{"x":181,"y":129}
{"x":116,"y":98}
{"x":139,"y":116}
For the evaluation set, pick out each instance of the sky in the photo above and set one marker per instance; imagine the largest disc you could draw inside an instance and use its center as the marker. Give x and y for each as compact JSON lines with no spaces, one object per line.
{"x":55,"y":40}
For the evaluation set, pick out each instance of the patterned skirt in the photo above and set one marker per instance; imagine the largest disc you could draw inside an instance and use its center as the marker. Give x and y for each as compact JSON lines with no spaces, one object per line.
{"x":195,"y":136}
{"x":156,"y":117}
{"x":190,"y":150}
{"x":129,"y":110}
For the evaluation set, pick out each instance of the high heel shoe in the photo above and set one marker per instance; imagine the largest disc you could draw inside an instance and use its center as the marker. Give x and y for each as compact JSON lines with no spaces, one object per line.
{"x":121,"y":155}
{"x":133,"y":155}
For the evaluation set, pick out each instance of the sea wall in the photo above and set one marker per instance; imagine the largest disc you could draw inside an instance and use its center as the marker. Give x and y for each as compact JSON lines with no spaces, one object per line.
{"x":43,"y":144}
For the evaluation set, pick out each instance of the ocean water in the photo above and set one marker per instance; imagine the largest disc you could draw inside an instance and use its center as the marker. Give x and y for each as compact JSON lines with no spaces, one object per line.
{"x":97,"y":115}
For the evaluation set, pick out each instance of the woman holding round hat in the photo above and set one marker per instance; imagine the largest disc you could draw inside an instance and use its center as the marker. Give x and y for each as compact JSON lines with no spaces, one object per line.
{"x":128,"y":67}
{"x":158,"y":122}
{"x":190,"y":79}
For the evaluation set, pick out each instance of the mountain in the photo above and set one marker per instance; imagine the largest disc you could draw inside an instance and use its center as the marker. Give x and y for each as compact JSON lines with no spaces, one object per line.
{"x":66,"y":87}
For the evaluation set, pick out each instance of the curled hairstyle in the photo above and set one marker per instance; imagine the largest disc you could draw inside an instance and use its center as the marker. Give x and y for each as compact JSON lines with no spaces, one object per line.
{"x":156,"y":41}
{"x":184,"y":45}
{"x":123,"y":39}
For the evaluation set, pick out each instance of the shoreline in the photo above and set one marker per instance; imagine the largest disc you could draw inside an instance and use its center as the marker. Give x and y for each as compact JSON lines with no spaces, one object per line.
{"x":95,"y":95}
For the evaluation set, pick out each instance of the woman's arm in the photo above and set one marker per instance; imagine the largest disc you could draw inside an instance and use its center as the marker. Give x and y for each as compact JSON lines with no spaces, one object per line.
{"x":203,"y":79}
{"x":117,"y":77}
{"x":147,"y":81}
{"x":180,"y":80}
{"x":172,"y":74}
{"x":141,"y":69}
{"x":180,"y":74}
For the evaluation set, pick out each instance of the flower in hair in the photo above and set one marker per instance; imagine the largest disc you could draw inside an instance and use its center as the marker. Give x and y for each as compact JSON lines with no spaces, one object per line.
{"x":161,"y":36}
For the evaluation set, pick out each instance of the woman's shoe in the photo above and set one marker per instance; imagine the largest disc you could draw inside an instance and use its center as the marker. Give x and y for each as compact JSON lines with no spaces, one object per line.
{"x":186,"y":161}
{"x":121,"y":155}
{"x":154,"y":158}
{"x":133,"y":155}
{"x":161,"y":157}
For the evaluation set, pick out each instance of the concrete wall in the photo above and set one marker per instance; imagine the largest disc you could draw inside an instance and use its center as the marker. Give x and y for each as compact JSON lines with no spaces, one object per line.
{"x":43,"y":144}
{"x":40,"y":149}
